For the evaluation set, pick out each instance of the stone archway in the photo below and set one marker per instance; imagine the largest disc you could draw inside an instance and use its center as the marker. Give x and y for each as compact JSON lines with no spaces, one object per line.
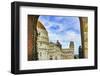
{"x":32,"y":36}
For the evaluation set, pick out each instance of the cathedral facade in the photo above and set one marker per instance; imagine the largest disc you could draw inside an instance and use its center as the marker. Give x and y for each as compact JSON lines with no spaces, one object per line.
{"x":50,"y":50}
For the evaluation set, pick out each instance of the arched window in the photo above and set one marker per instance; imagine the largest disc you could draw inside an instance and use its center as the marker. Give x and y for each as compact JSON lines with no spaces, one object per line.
{"x":51,"y":58}
{"x":38,"y":33}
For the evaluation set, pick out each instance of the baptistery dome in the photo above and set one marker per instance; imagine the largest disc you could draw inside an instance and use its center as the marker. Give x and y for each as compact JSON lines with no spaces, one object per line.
{"x":42,"y":41}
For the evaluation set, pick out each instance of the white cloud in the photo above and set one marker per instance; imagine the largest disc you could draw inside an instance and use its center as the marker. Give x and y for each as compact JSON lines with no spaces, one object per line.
{"x":62,"y":34}
{"x":72,"y":36}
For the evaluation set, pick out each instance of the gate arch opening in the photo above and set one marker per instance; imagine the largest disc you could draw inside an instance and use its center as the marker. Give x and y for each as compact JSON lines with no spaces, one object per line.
{"x":32,"y":36}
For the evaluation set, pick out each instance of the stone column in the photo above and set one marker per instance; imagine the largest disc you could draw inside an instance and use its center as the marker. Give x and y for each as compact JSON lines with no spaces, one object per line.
{"x":84,"y":34}
{"x":32,"y":37}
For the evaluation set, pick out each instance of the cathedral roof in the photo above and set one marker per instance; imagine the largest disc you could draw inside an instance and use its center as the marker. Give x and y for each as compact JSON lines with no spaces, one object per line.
{"x":40,"y":25}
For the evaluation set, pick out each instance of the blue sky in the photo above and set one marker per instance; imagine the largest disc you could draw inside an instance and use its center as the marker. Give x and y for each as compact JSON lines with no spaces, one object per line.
{"x":64,"y":29}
